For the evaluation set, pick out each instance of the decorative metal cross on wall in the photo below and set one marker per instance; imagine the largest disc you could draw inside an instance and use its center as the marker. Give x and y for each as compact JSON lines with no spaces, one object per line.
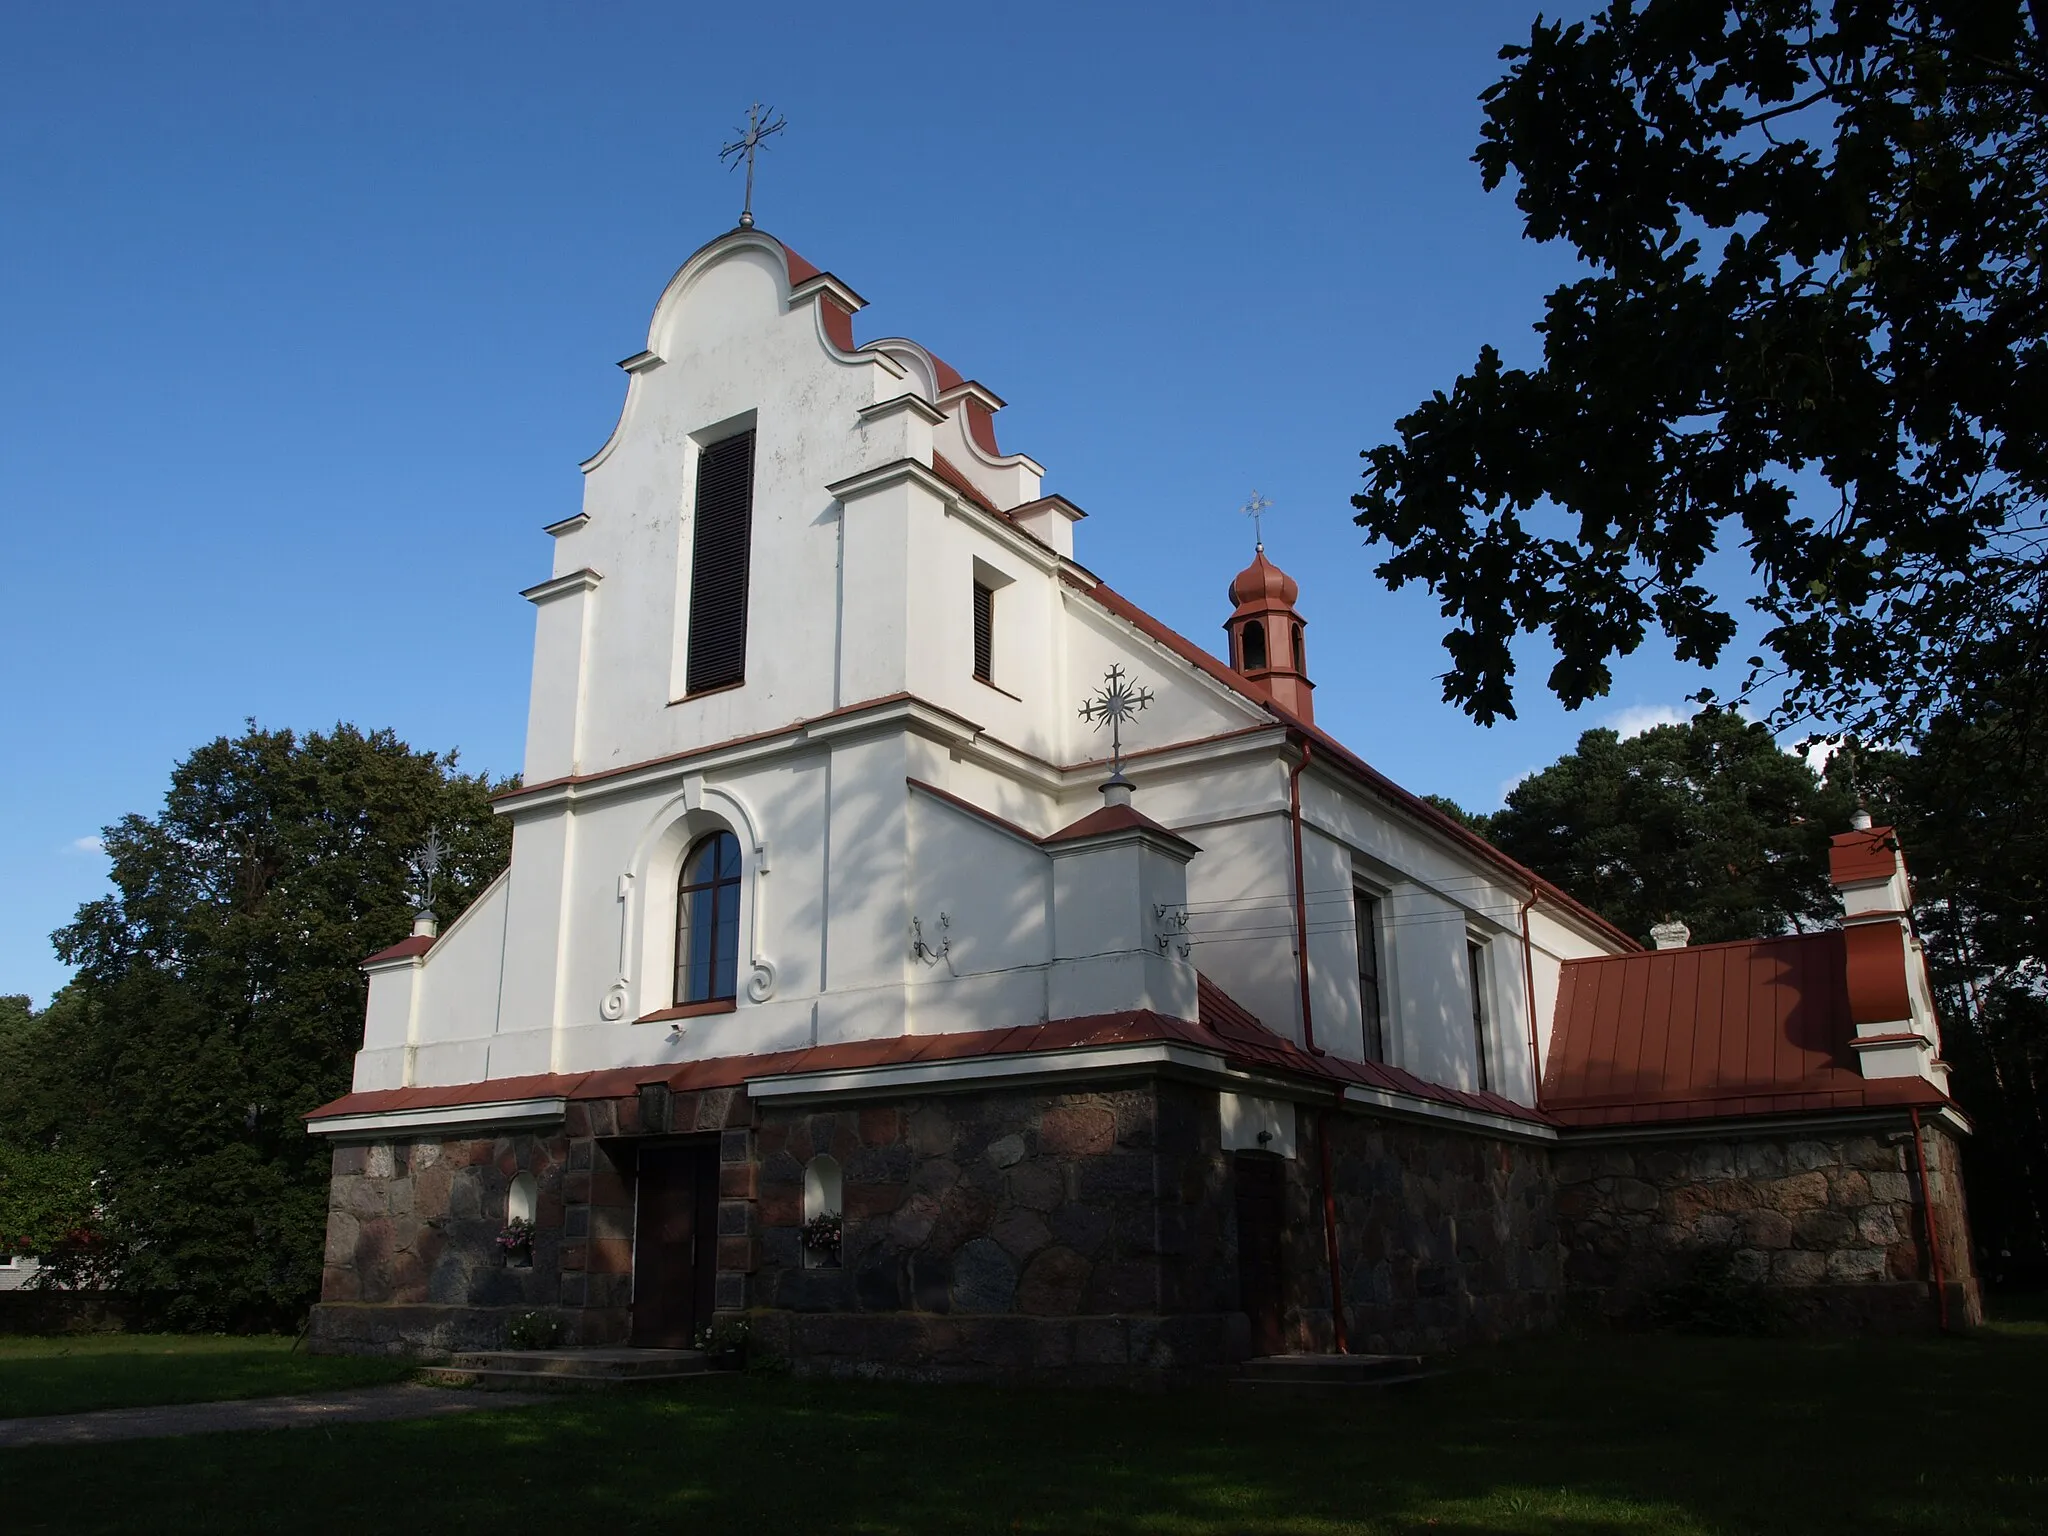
{"x":1117,"y":700}
{"x":760,"y":123}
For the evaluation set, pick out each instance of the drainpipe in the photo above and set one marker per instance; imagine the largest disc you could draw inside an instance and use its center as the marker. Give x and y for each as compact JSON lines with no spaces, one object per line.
{"x":1308,"y":1028}
{"x":1933,"y":1237}
{"x":1529,"y":981}
{"x":1308,"y":1040}
{"x":1343,"y":1343}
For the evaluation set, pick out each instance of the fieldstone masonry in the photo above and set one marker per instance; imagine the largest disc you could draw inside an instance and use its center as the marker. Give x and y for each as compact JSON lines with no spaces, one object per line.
{"x":1443,"y":1237}
{"x":1082,"y":1235}
{"x":1091,"y":1235}
{"x":1829,"y":1225}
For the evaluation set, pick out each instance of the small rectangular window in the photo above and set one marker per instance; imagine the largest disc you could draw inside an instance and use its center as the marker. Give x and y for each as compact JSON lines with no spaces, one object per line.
{"x":1371,"y":999}
{"x":720,"y":548}
{"x":1475,"y":965}
{"x":984,"y":632}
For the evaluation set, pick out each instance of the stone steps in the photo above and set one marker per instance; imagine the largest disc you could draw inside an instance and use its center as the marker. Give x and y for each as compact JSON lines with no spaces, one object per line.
{"x":565,"y":1370}
{"x":1282,"y":1375}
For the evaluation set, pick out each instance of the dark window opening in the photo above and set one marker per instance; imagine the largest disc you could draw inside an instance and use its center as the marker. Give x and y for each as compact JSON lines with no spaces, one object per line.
{"x":708,"y":921}
{"x":1475,"y":964}
{"x":984,"y":633}
{"x":1300,"y":664}
{"x":718,"y":564}
{"x":1253,"y":645}
{"x":1371,"y":1000}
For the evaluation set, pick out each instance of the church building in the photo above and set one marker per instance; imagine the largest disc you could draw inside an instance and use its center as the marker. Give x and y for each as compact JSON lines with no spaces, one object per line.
{"x":849,"y":978}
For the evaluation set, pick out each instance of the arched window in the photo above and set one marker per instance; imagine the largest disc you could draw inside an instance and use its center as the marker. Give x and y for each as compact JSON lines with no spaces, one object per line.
{"x":708,"y":921}
{"x":1254,"y":645}
{"x":1300,"y":662}
{"x":823,"y":1201}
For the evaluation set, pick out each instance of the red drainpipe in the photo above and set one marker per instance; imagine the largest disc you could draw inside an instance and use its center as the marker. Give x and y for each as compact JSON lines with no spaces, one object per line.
{"x":1933,"y":1237}
{"x":1330,"y":1232}
{"x":1529,"y":980}
{"x":1308,"y":1028}
{"x":1308,"y":1040}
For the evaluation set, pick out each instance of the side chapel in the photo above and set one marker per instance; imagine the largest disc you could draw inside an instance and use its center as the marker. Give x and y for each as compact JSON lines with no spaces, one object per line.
{"x":838,"y":981}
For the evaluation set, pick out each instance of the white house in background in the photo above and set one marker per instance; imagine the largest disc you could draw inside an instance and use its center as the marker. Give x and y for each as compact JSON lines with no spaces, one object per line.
{"x":810,"y":811}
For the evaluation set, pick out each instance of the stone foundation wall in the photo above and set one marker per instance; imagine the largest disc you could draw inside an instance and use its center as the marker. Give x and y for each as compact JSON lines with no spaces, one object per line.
{"x":1825,"y":1231}
{"x":1080,"y":1235}
{"x":1444,"y":1237}
{"x":1092,"y":1235}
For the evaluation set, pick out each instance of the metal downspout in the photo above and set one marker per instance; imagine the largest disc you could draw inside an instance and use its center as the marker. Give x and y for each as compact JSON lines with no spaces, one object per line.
{"x":1933,"y":1236}
{"x":1308,"y":1040}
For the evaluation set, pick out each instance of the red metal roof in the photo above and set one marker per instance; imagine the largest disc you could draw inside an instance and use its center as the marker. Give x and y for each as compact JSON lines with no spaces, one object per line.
{"x":1756,"y":1027}
{"x":404,"y":949}
{"x":1224,"y":1027}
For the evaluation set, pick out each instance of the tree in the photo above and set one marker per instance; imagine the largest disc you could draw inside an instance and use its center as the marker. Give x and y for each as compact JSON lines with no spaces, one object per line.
{"x":218,"y":999}
{"x":1708,"y":822}
{"x":1813,"y":322}
{"x":1972,"y":815}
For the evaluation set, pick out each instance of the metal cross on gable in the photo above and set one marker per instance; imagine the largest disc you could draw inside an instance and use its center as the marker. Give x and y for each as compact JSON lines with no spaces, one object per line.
{"x":1117,"y":700}
{"x":761,"y":122}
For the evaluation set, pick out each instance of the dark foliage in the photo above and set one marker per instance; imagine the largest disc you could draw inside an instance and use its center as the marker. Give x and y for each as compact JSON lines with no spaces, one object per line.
{"x":218,"y":999}
{"x":1708,"y":822}
{"x":1812,"y":325}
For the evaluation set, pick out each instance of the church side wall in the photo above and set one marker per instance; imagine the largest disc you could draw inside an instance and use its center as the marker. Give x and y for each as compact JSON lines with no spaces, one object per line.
{"x":1814,"y":1230}
{"x":1445,"y":1237}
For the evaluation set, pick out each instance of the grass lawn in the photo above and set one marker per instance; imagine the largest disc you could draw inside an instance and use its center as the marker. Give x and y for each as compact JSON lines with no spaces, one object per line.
{"x":1590,"y":1436}
{"x":115,"y":1370}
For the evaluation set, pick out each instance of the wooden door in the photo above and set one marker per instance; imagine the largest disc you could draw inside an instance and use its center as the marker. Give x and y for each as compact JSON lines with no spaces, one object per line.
{"x":674,"y":1245}
{"x":1261,"y":1179}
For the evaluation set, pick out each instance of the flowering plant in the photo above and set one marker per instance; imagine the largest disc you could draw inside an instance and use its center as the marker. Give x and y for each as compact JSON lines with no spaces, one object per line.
{"x":517,"y":1238}
{"x":725,"y":1341}
{"x":821,"y":1233}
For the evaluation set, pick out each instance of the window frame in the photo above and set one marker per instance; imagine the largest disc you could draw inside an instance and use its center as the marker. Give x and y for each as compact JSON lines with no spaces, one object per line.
{"x":1477,"y":974}
{"x":710,"y":596}
{"x":984,"y":631}
{"x":719,"y":888}
{"x":1368,"y":923}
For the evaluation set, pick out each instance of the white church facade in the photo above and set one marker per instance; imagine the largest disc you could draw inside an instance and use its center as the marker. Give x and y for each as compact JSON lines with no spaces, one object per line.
{"x":839,"y":980}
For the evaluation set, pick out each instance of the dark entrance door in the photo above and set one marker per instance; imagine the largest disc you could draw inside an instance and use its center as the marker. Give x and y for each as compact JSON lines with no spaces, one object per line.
{"x":1261,"y":1212}
{"x":674,"y":1245}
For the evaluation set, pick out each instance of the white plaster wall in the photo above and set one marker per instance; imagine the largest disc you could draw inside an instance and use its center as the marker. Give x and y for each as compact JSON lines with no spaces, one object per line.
{"x":996,"y":892}
{"x":856,"y":598}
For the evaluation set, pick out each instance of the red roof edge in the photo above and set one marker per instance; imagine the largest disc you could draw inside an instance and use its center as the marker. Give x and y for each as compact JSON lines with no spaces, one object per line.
{"x":404,"y":949}
{"x":1357,"y":766}
{"x":1107,"y":819}
{"x":1224,"y":1026}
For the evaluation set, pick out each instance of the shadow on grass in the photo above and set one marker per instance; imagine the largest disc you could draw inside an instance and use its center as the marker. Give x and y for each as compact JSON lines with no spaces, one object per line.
{"x":1567,"y":1437}
{"x":78,"y":1373}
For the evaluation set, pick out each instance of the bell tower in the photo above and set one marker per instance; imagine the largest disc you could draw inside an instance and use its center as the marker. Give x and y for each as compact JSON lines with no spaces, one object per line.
{"x":1266,"y":645}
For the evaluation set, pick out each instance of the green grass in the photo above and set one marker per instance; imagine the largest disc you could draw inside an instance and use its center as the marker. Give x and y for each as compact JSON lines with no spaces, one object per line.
{"x":1565,"y":1437}
{"x":79,"y":1372}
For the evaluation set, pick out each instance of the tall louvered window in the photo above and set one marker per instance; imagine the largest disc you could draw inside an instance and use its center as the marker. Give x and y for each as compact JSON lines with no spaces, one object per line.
{"x":984,"y":632}
{"x":1371,"y":1000}
{"x":718,"y":564}
{"x":1475,"y":967}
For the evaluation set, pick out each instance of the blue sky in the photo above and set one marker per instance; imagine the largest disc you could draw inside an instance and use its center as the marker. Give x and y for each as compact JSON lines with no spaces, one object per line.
{"x":307,"y":315}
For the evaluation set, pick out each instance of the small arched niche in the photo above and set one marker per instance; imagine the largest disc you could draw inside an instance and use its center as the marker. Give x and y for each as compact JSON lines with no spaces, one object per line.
{"x":822,"y":1208}
{"x":522,"y":1203}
